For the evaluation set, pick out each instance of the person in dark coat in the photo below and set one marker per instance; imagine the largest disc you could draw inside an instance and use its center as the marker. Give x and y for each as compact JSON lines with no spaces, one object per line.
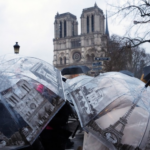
{"x":56,"y":135}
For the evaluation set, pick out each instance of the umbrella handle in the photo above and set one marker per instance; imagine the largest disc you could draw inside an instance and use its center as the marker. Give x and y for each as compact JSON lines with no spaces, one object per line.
{"x":75,"y":130}
{"x":147,"y":84}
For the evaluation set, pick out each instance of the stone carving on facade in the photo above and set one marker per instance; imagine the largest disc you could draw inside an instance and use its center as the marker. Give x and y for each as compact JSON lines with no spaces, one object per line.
{"x":89,"y":37}
{"x":62,"y":42}
{"x":75,"y":39}
{"x":91,"y":51}
{"x":62,"y":54}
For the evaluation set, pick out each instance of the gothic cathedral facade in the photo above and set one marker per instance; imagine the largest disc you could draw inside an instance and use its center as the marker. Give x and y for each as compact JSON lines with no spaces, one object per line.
{"x":73,"y":49}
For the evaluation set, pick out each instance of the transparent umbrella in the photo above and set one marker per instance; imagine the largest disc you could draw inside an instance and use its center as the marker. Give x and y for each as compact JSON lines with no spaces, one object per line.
{"x":114,"y":108}
{"x":31,"y":93}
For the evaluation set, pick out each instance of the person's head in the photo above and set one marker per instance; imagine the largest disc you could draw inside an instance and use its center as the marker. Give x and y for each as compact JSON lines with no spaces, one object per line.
{"x":72,"y":76}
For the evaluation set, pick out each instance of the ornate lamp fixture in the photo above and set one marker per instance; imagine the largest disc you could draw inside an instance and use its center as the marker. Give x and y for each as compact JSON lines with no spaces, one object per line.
{"x":16,"y":48}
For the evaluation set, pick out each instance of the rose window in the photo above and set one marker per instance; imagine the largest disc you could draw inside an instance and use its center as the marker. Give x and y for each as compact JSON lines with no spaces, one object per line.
{"x":76,"y":56}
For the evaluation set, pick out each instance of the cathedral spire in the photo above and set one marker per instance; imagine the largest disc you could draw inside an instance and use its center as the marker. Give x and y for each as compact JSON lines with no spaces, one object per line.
{"x":106,"y":31}
{"x":95,"y":5}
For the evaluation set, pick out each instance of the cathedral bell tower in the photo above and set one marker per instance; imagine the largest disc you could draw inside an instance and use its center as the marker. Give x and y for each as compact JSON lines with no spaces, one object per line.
{"x":92,"y":20}
{"x":65,"y":25}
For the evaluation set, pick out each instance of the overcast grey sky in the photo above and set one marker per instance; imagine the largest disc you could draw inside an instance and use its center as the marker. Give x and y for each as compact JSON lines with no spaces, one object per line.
{"x":31,"y":23}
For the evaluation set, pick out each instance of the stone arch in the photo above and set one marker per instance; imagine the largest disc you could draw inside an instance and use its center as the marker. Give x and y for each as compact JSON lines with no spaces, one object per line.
{"x":62,"y":54}
{"x":91,"y":51}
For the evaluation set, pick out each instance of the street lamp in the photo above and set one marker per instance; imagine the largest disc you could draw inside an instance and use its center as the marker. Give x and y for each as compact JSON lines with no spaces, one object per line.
{"x":16,"y":48}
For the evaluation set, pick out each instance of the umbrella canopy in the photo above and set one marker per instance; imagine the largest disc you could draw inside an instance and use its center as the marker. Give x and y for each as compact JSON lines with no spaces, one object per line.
{"x":31,"y":93}
{"x":111,"y":107}
{"x":146,"y":72}
{"x":74,"y":70}
{"x":71,"y":84}
{"x":127,"y":73}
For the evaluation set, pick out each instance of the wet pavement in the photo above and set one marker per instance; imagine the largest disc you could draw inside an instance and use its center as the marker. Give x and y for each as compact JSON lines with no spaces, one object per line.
{"x":78,"y":141}
{"x":78,"y":138}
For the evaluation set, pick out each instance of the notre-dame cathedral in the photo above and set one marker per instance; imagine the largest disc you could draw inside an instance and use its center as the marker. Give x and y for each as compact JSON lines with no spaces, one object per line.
{"x":73,"y":49}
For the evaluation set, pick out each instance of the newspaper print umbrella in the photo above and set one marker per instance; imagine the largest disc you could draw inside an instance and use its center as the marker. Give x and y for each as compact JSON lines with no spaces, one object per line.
{"x":127,"y":73}
{"x":71,"y":84}
{"x":31,"y":93}
{"x":114,"y":108}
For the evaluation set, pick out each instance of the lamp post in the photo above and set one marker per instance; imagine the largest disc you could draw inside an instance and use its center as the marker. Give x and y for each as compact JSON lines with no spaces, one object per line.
{"x":16,"y":48}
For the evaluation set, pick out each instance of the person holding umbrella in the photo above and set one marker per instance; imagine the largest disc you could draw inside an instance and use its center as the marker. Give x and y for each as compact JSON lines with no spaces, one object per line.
{"x":121,"y":100}
{"x":146,"y":74}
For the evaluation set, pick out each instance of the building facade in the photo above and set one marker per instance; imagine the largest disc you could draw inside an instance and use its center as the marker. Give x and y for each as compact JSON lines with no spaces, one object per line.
{"x":70,"y":48}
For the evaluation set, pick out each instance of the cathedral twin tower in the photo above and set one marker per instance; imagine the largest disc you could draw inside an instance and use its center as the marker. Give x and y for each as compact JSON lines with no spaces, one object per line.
{"x":73,"y":49}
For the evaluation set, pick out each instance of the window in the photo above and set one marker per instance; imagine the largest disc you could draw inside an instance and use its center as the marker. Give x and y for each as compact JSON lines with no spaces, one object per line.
{"x":87,"y":24}
{"x":92,"y":57}
{"x":72,"y":28}
{"x":60,"y":61}
{"x":75,"y":43}
{"x":92,"y":23}
{"x":60,"y":30}
{"x":76,"y":56}
{"x":87,"y":42}
{"x":92,"y":41}
{"x":56,"y":29}
{"x":64,"y":60}
{"x":88,"y":57}
{"x":65,"y":28}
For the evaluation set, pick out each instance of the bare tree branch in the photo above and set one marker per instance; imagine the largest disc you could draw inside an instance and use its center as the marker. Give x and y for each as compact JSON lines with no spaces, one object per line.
{"x":139,"y":10}
{"x":136,"y":41}
{"x":124,"y":56}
